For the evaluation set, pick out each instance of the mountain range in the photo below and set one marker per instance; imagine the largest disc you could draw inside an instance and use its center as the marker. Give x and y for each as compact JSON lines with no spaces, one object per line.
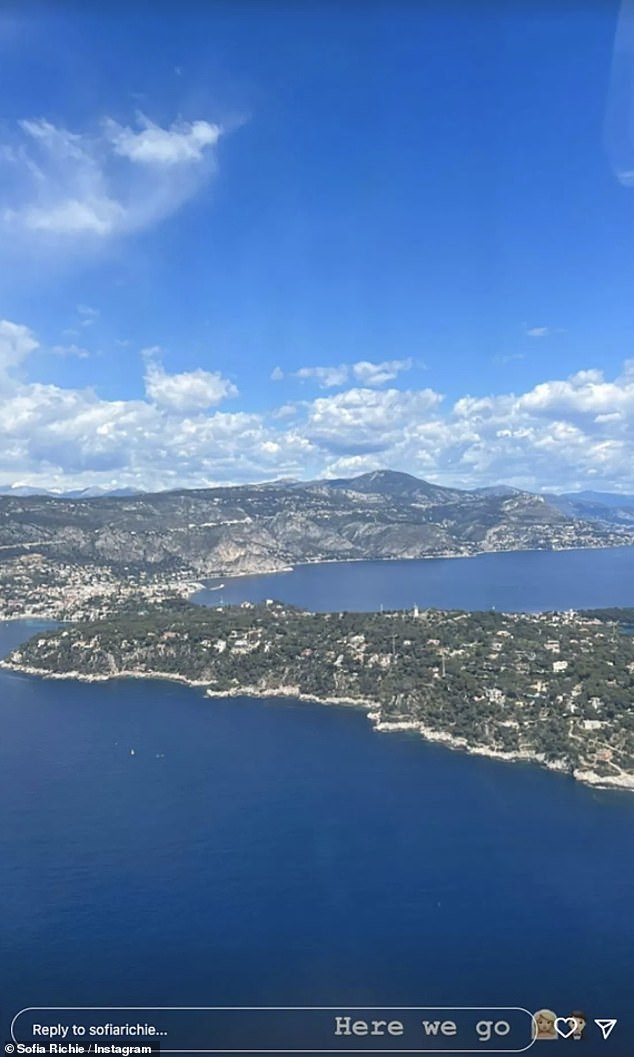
{"x":251,"y":528}
{"x":363,"y":483}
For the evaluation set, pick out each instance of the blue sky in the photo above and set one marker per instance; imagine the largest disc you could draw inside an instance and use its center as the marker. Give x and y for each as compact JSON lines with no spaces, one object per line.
{"x":247,"y":240}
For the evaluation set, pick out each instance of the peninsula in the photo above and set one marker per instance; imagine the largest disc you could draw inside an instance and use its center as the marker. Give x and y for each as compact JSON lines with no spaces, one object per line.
{"x":554,"y":688}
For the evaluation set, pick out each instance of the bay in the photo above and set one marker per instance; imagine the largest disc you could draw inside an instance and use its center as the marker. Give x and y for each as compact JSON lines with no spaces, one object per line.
{"x":521,"y":581}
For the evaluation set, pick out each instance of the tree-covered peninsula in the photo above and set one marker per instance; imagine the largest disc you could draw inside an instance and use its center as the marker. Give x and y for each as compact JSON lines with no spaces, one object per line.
{"x":556,"y":688}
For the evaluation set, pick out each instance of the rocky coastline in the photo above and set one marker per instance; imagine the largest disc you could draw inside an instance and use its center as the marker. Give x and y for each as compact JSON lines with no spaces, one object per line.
{"x":587,"y":777}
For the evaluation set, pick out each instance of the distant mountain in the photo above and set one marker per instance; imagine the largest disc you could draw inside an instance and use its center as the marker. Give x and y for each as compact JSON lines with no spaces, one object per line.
{"x":12,"y":489}
{"x":606,"y":508}
{"x":96,"y":493}
{"x":282,"y":482}
{"x":394,"y":484}
{"x":254,"y":528}
{"x":612,"y":499}
{"x":80,"y":493}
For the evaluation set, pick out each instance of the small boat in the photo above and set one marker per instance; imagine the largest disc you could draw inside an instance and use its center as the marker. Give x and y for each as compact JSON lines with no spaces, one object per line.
{"x":132,"y":752}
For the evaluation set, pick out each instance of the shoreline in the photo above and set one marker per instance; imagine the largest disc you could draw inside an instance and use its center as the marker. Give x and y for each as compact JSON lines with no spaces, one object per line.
{"x":197,"y":586}
{"x":624,"y":782}
{"x":189,"y":588}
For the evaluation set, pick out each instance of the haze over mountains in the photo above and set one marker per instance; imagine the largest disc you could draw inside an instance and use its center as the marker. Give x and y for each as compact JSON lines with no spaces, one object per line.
{"x":364,"y":482}
{"x":250,"y":528}
{"x":584,"y":503}
{"x":608,"y":507}
{"x":78,"y":493}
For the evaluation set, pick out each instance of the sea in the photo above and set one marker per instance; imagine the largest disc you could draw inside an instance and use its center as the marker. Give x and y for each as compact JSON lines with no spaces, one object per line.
{"x":158,"y":848}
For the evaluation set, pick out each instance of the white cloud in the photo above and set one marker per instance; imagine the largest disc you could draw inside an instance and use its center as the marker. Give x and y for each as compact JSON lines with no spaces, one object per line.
{"x":538,"y":332}
{"x":63,"y":189}
{"x":352,"y":466}
{"x":542,"y":332}
{"x":326,"y":377}
{"x":364,"y":372}
{"x":367,"y":373}
{"x":16,"y":342}
{"x":286,"y":411}
{"x":63,"y":438}
{"x":360,"y":421}
{"x":183,"y":142}
{"x":188,"y":391}
{"x":277,"y":374}
{"x":96,"y":216}
{"x":583,"y":393}
{"x":560,"y":434}
{"x":59,"y":141}
{"x":88,"y":315}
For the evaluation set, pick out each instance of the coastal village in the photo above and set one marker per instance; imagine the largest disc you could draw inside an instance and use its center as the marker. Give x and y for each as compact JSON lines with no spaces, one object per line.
{"x":34,"y":587}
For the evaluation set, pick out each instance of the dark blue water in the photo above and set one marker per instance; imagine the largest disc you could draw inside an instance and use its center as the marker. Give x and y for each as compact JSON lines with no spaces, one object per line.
{"x":267,"y":853}
{"x":527,"y":581}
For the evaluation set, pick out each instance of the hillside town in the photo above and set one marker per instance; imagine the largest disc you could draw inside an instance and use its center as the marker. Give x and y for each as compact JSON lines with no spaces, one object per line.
{"x":34,"y":587}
